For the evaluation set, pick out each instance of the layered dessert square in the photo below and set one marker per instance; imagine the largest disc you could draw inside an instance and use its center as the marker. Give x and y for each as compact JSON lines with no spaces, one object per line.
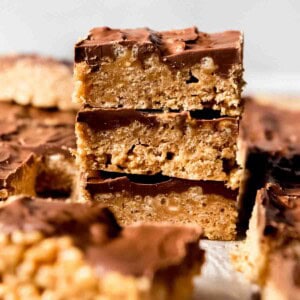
{"x":145,"y":69}
{"x":58,"y":250}
{"x":269,"y":134}
{"x":35,"y":153}
{"x":36,"y":80}
{"x":271,"y":254}
{"x":183,"y":144}
{"x":142,"y":198}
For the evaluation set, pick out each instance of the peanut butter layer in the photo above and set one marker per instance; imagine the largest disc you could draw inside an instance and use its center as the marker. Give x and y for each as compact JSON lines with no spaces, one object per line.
{"x":82,"y":245}
{"x":138,"y":198}
{"x":35,"y":151}
{"x":36,"y":80}
{"x":144,"y":69}
{"x":173,"y":144}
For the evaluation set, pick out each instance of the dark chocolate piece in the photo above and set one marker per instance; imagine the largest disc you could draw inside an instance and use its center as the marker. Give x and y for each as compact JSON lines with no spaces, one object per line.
{"x":177,"y":48}
{"x":12,"y":158}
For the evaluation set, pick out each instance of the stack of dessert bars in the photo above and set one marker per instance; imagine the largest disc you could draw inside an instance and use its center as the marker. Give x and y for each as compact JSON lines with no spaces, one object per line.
{"x":158,"y":125}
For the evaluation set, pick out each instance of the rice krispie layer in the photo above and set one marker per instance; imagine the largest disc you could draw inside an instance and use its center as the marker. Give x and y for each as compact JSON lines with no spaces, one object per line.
{"x":183,"y":145}
{"x":145,"y":69}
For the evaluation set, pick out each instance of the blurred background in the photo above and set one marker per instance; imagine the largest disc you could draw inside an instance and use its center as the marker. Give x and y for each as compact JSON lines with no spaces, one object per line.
{"x":272,"y":44}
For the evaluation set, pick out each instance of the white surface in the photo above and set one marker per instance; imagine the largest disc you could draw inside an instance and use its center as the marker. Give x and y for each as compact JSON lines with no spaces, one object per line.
{"x":219,"y":280}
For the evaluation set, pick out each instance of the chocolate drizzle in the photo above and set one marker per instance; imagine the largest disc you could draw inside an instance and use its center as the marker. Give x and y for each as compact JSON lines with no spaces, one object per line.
{"x":177,"y":48}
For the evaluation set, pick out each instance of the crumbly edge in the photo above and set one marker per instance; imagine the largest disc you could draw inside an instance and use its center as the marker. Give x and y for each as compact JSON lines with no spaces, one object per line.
{"x":195,"y":154}
{"x":38,"y":83}
{"x":33,"y":266}
{"x":214,"y":213}
{"x":126,"y":82}
{"x":252,"y":256}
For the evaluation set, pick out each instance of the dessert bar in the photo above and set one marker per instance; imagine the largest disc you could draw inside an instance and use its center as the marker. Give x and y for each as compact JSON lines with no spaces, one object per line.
{"x":268,"y":133}
{"x":36,"y":80}
{"x":145,"y":69}
{"x":271,"y":253}
{"x":272,"y":249}
{"x":57,"y":250}
{"x":183,"y":145}
{"x":35,"y":151}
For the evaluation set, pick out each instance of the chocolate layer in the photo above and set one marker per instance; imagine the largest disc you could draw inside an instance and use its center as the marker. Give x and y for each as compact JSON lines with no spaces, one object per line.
{"x":177,"y":48}
{"x":12,"y":158}
{"x":270,"y":129}
{"x":282,"y":211}
{"x":55,"y":217}
{"x":138,"y":251}
{"x":107,"y":182}
{"x":108,"y":119}
{"x":37,"y":130}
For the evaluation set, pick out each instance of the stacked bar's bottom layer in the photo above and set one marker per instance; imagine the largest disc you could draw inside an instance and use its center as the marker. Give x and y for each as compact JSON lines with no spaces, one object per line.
{"x":135,"y":198}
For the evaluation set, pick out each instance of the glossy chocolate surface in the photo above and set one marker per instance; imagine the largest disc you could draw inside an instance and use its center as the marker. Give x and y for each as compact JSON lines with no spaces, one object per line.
{"x":177,"y":48}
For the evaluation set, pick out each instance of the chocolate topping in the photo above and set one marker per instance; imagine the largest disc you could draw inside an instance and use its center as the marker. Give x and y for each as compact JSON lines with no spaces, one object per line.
{"x":270,"y":129}
{"x":146,"y":249}
{"x":113,"y":183}
{"x":282,"y":208}
{"x":55,"y":217}
{"x":11,"y":159}
{"x":177,"y":48}
{"x":139,"y":251}
{"x":26,"y":132}
{"x":109,"y":119}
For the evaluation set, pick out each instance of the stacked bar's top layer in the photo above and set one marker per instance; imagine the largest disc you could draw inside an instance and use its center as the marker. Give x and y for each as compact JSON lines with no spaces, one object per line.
{"x":279,"y":222}
{"x":138,"y":251}
{"x":145,"y":69}
{"x":182,"y":145}
{"x":36,"y":80}
{"x":176,"y":47}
